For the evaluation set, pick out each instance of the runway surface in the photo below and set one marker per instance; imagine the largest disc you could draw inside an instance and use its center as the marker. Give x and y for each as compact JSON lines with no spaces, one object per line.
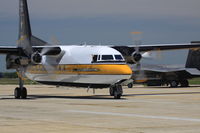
{"x":67,"y":110}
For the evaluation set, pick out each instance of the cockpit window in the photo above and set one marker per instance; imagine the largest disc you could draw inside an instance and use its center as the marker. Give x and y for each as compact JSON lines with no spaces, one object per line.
{"x":107,"y":57}
{"x":94,"y":58}
{"x":118,"y":57}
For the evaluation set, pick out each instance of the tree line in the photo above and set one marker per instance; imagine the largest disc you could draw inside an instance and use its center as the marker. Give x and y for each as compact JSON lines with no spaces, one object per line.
{"x":8,"y":75}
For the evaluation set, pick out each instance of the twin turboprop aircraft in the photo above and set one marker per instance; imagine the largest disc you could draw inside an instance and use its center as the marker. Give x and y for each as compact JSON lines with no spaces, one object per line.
{"x":75,"y":65}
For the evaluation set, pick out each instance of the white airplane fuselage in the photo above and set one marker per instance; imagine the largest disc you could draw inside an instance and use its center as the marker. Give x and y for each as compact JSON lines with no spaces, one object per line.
{"x":81,"y":66}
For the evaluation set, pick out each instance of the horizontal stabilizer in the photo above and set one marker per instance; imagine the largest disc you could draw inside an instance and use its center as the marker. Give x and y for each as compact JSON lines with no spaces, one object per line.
{"x":52,"y":50}
{"x":37,"y":42}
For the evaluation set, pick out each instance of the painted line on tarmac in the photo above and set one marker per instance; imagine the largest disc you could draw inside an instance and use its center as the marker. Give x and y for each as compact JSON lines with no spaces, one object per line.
{"x":134,"y":115}
{"x":151,"y":101}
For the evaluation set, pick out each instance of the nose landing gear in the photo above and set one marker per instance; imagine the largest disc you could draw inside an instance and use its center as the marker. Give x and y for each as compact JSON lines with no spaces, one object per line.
{"x":116,"y":91}
{"x":20,"y":92}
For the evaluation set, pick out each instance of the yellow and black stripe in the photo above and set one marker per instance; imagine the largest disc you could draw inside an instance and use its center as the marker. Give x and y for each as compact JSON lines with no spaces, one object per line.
{"x":92,"y":69}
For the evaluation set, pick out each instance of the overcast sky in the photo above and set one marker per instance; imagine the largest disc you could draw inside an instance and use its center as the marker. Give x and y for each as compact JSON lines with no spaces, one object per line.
{"x":54,"y":9}
{"x":161,"y":21}
{"x":105,"y":21}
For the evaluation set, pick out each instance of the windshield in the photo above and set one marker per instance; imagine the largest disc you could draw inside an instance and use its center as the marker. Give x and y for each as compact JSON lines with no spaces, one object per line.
{"x":118,"y":57}
{"x":107,"y":57}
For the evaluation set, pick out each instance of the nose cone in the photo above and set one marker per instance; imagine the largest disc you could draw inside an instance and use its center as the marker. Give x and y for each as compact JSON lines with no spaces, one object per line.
{"x":124,"y":70}
{"x":120,"y":69}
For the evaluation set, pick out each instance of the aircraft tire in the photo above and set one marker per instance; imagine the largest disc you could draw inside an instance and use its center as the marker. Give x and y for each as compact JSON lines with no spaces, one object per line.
{"x":111,"y":90}
{"x":173,"y":84}
{"x":130,"y":85}
{"x":17,"y":93}
{"x":24,"y":93}
{"x":118,"y":91}
{"x":184,"y":83}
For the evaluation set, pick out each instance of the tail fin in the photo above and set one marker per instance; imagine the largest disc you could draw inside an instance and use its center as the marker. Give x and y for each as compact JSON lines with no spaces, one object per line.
{"x":24,"y":24}
{"x":26,"y":40}
{"x":193,"y":59}
{"x":24,"y":28}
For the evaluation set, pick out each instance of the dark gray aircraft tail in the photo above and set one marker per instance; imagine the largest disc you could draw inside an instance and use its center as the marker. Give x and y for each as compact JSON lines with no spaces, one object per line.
{"x":193,"y":59}
{"x":26,"y":40}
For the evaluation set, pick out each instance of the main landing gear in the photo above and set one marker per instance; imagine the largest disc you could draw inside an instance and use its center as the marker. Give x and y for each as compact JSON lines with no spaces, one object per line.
{"x":116,"y":91}
{"x":20,"y":92}
{"x":175,"y":83}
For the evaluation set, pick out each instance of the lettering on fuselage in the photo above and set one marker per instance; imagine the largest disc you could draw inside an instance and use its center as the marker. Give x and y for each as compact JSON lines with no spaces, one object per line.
{"x":94,"y":69}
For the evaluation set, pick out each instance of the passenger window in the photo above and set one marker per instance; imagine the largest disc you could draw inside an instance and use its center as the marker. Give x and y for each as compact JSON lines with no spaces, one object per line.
{"x":107,"y":57}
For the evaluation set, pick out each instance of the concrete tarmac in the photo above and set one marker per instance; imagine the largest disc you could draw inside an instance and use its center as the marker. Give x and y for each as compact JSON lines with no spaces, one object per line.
{"x":67,"y":110}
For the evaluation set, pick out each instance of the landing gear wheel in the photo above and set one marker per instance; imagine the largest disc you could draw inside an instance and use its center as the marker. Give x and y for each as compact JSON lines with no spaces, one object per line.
{"x":173,"y":84}
{"x":23,"y":93}
{"x":130,"y":85}
{"x":184,"y":83}
{"x":118,"y":91}
{"x":17,"y":93}
{"x":111,"y":91}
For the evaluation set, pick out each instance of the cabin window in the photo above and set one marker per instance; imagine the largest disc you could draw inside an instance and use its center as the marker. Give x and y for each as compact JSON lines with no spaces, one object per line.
{"x":107,"y":57}
{"x":118,"y":57}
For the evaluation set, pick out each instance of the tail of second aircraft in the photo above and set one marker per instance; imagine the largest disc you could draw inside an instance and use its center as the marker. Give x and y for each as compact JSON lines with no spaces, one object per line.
{"x":26,"y":39}
{"x":193,"y":59}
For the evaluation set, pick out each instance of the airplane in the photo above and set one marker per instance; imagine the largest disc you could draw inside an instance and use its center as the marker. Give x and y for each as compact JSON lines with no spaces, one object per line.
{"x":172,"y":75}
{"x":73,"y":65}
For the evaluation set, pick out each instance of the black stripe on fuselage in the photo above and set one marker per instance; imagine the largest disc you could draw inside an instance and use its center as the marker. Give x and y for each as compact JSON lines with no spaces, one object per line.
{"x":90,"y":85}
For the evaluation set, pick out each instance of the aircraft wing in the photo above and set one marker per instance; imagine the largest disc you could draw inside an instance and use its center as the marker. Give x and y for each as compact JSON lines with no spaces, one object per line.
{"x":161,"y":68}
{"x":51,"y":50}
{"x":128,"y":50}
{"x":168,"y":69}
{"x":9,"y":50}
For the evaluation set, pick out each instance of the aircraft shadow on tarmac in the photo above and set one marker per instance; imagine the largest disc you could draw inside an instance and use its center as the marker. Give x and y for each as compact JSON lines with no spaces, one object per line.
{"x":97,"y":97}
{"x":166,"y":87}
{"x":34,"y":97}
{"x":175,"y":93}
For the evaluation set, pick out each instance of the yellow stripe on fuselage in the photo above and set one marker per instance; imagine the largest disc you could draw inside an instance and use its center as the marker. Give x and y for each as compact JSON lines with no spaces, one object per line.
{"x":93,"y":69}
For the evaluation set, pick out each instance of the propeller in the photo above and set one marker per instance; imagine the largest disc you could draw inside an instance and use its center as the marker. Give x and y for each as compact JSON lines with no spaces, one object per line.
{"x":136,"y":56}
{"x":139,"y":74}
{"x":152,"y":55}
{"x":54,"y":40}
{"x":50,"y":62}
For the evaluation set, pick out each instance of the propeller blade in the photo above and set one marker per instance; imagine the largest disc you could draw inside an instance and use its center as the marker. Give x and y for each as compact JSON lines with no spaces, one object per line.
{"x":55,"y":41}
{"x":50,"y":64}
{"x":139,"y":74}
{"x":152,"y":55}
{"x":137,"y":36}
{"x":45,"y":50}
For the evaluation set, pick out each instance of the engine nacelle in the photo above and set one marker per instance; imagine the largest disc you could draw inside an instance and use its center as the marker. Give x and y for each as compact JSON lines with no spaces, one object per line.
{"x":136,"y":57}
{"x":36,"y":58}
{"x":14,"y":62}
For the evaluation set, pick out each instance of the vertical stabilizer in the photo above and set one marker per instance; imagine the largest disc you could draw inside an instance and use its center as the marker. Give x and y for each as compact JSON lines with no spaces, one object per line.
{"x":193,"y":59}
{"x":26,"y":39}
{"x":24,"y":28}
{"x":24,"y":24}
